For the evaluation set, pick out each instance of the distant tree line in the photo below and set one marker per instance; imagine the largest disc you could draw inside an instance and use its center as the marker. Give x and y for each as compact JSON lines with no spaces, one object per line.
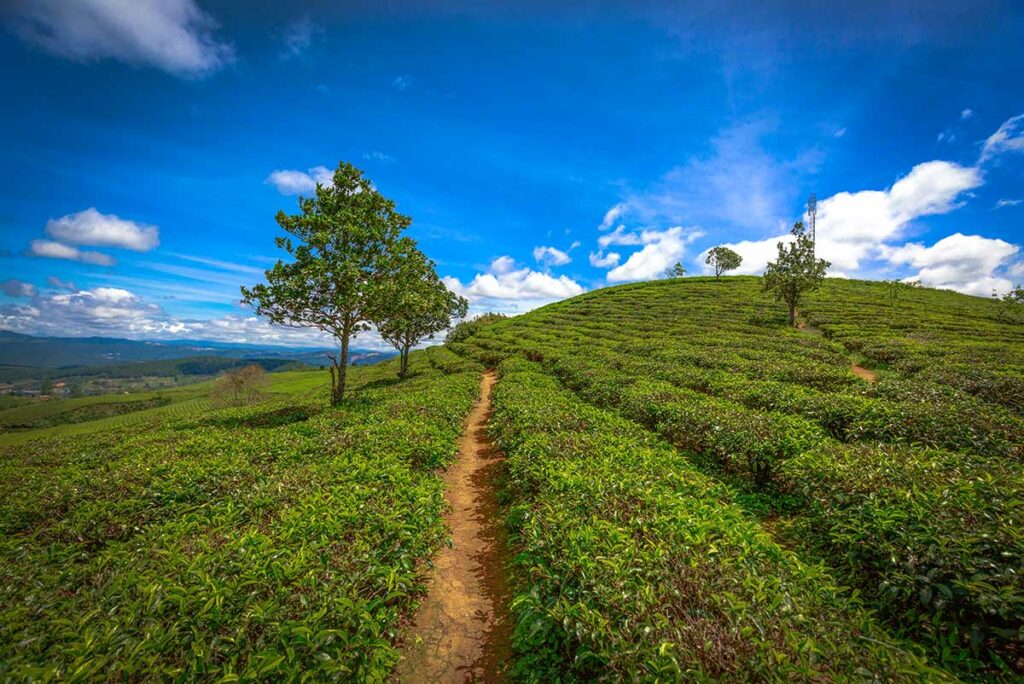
{"x":351,"y":268}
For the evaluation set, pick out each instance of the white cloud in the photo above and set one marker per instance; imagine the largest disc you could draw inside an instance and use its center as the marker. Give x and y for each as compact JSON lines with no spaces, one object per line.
{"x":377,"y":155}
{"x":550,"y":256}
{"x":1007,"y":203}
{"x":298,"y":36}
{"x":966,"y":263}
{"x":402,"y":82}
{"x":601,"y":260}
{"x":13,"y":287}
{"x":661,"y":249}
{"x":612,"y":215}
{"x":620,"y":236}
{"x":292,"y":182}
{"x":839,"y":132}
{"x":966,"y":113}
{"x":1009,"y":137}
{"x":852,"y":227}
{"x":56,"y":250}
{"x":117,"y":312}
{"x":90,"y":227}
{"x":173,"y":35}
{"x":507,"y":288}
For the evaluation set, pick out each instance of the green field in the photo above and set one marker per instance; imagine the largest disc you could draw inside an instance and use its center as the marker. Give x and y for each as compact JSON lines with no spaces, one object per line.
{"x":694,"y":490}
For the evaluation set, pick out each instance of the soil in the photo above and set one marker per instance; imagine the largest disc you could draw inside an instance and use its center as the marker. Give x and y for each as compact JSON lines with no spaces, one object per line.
{"x":862,"y":372}
{"x":461,"y":631}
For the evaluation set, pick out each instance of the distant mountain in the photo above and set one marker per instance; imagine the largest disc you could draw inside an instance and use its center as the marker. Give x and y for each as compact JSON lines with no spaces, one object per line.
{"x":17,"y":349}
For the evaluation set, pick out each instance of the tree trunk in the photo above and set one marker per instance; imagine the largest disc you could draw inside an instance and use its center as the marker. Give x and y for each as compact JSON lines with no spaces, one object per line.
{"x":339,"y":389}
{"x":792,"y":313}
{"x":404,"y":367}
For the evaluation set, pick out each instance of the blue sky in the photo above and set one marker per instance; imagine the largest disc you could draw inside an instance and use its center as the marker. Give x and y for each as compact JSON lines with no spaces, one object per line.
{"x":542,"y":149}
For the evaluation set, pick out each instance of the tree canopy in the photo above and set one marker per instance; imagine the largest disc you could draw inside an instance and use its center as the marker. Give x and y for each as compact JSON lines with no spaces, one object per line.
{"x":342,"y":245}
{"x":796,"y":271}
{"x":415,"y":302}
{"x":676,"y":271}
{"x":723,"y":259}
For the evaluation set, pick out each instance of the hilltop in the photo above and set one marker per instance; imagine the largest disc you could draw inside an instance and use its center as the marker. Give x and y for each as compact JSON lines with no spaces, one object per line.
{"x":692,"y":489}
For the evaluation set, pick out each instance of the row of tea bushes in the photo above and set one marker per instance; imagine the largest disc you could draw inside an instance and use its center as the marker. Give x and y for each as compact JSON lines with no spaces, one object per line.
{"x":632,"y":565}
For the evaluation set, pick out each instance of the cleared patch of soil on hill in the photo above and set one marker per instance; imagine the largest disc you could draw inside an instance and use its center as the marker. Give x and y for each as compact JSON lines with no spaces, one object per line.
{"x":461,"y":632}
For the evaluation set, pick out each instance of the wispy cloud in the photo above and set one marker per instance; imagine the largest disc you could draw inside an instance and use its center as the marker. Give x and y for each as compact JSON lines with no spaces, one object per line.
{"x":403,"y":82}
{"x":1000,"y":204}
{"x":55,"y":250}
{"x":298,"y":36}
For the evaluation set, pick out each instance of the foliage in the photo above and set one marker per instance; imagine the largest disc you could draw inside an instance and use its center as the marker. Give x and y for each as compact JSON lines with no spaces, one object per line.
{"x":418,"y":304}
{"x":723,"y":259}
{"x":347,"y":235}
{"x":796,"y":272}
{"x":1012,"y":304}
{"x":239,"y":386}
{"x":633,"y":566}
{"x":467,"y":328}
{"x":907,"y":488}
{"x":895,"y":288}
{"x":676,"y":271}
{"x":285,"y":541}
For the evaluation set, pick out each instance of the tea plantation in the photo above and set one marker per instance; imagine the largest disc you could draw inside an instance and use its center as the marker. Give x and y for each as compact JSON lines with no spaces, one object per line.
{"x":694,"y":491}
{"x":692,"y":482}
{"x":255,"y":543}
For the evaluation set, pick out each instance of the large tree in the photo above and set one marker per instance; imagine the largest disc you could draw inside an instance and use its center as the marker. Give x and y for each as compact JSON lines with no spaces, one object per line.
{"x":415,"y":304}
{"x":796,"y":272}
{"x":723,"y":259}
{"x":342,"y":246}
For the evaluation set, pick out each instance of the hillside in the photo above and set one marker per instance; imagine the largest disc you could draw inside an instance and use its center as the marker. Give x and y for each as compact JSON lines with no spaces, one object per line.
{"x":691,"y":488}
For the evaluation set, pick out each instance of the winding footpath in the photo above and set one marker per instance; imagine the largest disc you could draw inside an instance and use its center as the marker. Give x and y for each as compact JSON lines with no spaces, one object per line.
{"x":461,"y":632}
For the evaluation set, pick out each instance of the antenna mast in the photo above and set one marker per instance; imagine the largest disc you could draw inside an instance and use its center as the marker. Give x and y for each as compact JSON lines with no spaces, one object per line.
{"x":812,"y":213}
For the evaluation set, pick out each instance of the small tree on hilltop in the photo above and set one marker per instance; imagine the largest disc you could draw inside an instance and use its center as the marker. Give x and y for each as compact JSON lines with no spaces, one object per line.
{"x":676,"y":271}
{"x":416,"y":304}
{"x":796,"y":272}
{"x":723,"y":259}
{"x":895,"y":288}
{"x":1012,"y":303}
{"x":345,"y":236}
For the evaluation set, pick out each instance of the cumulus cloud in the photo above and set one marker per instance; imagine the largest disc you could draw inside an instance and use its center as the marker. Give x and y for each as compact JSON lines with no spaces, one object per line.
{"x":1009,"y":138}
{"x":173,"y":35}
{"x":55,"y":250}
{"x":601,"y":260}
{"x":12,"y":287}
{"x":661,"y":249}
{"x":504,"y":287}
{"x":852,"y":227}
{"x":292,"y":182}
{"x":966,"y":113}
{"x":966,"y":263}
{"x":550,"y":256}
{"x":90,"y":227}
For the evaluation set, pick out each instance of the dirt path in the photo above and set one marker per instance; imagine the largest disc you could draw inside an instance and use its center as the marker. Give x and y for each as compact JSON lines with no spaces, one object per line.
{"x":461,"y":632}
{"x":864,"y":373}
